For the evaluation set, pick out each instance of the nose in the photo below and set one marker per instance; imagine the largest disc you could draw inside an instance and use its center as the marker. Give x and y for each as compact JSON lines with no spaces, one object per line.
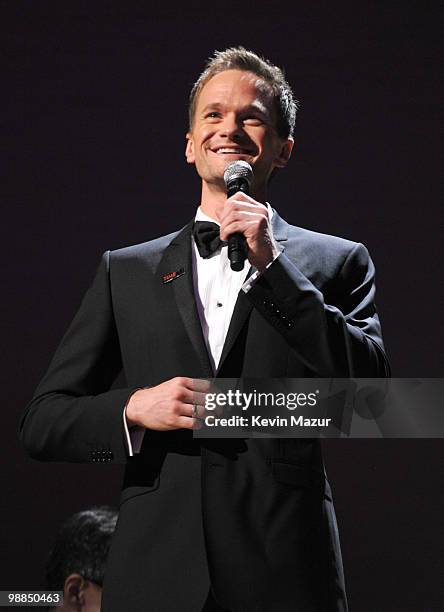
{"x":231,"y":128}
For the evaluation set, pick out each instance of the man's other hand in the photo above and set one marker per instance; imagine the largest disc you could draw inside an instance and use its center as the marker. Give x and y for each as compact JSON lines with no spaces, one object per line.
{"x":178,"y":403}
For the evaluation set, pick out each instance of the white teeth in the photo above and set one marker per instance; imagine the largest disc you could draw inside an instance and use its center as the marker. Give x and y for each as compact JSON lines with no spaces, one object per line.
{"x":227,"y":150}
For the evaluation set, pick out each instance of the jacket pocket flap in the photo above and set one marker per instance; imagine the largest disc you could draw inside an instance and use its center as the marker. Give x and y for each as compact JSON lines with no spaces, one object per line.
{"x":135,"y":491}
{"x":293,"y":475}
{"x":300,"y":476}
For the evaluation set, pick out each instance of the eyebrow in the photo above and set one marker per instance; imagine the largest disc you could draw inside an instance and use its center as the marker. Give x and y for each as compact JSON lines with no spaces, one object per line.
{"x":212,"y":106}
{"x":255,"y":106}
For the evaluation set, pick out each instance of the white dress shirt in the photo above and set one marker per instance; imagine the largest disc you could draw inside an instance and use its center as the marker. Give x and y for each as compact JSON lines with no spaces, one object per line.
{"x":216,"y":287}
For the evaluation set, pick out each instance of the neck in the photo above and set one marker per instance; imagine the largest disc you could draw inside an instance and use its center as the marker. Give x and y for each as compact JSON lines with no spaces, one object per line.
{"x":214,"y":196}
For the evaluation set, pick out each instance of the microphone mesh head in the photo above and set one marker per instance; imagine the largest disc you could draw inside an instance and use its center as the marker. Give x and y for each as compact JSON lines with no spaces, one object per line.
{"x":238,"y":169}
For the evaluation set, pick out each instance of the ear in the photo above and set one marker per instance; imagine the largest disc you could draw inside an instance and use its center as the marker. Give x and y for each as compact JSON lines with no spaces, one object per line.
{"x":284,"y":153}
{"x":189,"y":149}
{"x":73,"y":591}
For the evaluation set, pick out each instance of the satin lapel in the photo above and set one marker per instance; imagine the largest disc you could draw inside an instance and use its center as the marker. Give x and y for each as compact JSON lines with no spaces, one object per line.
{"x":176,"y":257}
{"x":241,"y":311}
{"x":243,"y":305}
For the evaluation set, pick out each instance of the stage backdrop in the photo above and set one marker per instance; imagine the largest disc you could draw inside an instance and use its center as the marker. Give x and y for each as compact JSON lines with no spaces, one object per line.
{"x":94,"y":118}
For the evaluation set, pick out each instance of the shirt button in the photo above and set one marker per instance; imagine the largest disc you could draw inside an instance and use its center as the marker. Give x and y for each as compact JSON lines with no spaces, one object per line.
{"x":219,"y":304}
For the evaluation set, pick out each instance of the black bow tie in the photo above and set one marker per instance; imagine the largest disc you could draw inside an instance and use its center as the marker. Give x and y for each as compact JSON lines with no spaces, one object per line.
{"x":206,"y":235}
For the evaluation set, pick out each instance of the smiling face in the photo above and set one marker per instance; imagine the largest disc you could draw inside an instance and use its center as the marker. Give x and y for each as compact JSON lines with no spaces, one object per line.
{"x":235,"y":119}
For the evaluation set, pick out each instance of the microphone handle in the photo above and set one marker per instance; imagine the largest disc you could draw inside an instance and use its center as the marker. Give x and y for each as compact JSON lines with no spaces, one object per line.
{"x":237,"y":245}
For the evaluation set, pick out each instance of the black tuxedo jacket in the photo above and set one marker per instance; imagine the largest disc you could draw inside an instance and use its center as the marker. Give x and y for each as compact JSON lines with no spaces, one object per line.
{"x":254,"y":518}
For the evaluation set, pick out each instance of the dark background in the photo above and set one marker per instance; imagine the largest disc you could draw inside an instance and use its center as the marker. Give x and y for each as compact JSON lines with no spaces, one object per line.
{"x":93,"y":143}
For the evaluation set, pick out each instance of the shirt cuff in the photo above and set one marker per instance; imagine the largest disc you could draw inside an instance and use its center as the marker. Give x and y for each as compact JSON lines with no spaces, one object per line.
{"x":251,"y":280}
{"x":134,"y":437}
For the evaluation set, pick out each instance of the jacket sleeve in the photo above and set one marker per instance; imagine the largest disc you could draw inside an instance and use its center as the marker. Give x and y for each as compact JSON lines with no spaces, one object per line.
{"x":73,"y":415}
{"x":342,"y":340}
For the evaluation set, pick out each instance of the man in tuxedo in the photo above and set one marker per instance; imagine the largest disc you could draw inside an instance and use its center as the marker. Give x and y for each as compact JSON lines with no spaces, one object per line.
{"x":237,"y":525}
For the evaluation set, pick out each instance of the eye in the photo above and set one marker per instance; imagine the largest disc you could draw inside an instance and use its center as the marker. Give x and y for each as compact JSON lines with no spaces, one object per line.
{"x":253,"y":120}
{"x":212,"y":115}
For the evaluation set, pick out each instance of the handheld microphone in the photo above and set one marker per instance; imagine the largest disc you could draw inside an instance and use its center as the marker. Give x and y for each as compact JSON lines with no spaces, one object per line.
{"x":237,"y":176}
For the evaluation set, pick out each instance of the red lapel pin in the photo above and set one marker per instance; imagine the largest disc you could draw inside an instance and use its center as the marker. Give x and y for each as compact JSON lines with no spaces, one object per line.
{"x":167,"y":278}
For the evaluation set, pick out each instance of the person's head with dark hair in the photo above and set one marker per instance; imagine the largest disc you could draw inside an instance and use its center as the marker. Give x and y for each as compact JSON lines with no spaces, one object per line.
{"x":76,"y":563}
